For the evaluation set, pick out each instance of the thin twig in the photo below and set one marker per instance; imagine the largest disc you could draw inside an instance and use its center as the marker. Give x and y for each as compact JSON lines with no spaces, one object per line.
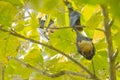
{"x":117,"y":65}
{"x":100,"y":29}
{"x":110,"y":22}
{"x":60,"y":28}
{"x":52,"y":75}
{"x":53,"y":48}
{"x":115,"y":54}
{"x":67,"y":27}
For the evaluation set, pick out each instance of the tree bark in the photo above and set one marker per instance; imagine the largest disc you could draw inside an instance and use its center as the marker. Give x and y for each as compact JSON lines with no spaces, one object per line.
{"x":107,"y":28}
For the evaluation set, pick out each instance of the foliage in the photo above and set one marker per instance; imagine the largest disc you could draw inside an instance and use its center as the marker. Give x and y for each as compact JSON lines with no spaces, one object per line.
{"x":22,"y":16}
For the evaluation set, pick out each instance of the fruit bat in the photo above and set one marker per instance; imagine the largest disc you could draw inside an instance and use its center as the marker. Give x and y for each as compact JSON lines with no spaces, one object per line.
{"x":84,"y":44}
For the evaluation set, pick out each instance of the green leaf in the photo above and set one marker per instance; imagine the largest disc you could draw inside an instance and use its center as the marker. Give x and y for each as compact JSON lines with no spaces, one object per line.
{"x":50,"y":52}
{"x":116,"y":41}
{"x":34,"y":57}
{"x":61,"y":19}
{"x":101,"y":45}
{"x":64,"y":40}
{"x":34,"y":21}
{"x":21,"y":25}
{"x":77,"y":4}
{"x":47,"y":6}
{"x":8,"y":47}
{"x":88,"y":11}
{"x":66,"y":65}
{"x":3,"y":35}
{"x":16,"y":68}
{"x":93,"y":2}
{"x":101,"y":70}
{"x":94,"y":20}
{"x":14,"y":2}
{"x":114,"y":8}
{"x":7,"y":13}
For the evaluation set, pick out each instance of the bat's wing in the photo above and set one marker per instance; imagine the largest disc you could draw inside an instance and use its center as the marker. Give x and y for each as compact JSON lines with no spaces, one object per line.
{"x":74,"y":16}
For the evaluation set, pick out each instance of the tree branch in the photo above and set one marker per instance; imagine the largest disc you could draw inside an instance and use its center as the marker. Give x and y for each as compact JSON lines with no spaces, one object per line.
{"x":59,"y":28}
{"x":67,"y":27}
{"x":51,"y":74}
{"x":51,"y":47}
{"x":107,"y":27}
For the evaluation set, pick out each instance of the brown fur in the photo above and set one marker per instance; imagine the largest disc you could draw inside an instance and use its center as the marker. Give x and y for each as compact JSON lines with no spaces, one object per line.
{"x":85,"y":46}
